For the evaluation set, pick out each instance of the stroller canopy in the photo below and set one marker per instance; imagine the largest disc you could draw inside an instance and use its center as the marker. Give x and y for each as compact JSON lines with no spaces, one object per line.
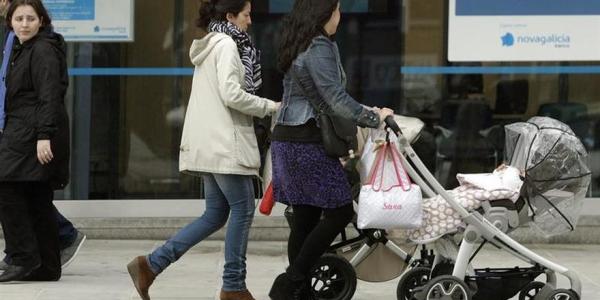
{"x":557,"y":175}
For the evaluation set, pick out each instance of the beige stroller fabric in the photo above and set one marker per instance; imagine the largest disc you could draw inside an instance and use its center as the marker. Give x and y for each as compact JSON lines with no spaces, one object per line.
{"x":411,"y":129}
{"x":381,"y":264}
{"x":439,"y":218}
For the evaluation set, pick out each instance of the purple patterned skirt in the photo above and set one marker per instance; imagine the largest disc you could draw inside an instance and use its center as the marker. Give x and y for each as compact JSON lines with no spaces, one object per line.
{"x":304,"y":175}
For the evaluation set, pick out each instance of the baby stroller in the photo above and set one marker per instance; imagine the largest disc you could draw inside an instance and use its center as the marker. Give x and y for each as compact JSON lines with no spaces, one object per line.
{"x":556,"y":179}
{"x":367,"y":254}
{"x":555,"y":182}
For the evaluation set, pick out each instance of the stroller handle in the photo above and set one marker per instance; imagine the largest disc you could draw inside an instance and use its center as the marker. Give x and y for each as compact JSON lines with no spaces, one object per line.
{"x":391,"y":123}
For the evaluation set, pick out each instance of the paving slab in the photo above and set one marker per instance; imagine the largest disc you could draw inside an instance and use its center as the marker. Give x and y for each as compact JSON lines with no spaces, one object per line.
{"x":99,"y":272}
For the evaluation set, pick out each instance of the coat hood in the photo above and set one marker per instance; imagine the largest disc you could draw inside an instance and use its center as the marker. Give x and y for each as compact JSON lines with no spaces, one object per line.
{"x":48,"y":35}
{"x":201,"y":48}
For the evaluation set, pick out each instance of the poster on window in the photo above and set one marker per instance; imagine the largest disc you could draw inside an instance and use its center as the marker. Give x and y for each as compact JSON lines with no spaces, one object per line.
{"x":92,"y":20}
{"x":524,"y":30}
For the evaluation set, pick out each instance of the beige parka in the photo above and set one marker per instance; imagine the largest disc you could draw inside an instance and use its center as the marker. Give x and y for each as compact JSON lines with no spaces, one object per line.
{"x":218,"y":133}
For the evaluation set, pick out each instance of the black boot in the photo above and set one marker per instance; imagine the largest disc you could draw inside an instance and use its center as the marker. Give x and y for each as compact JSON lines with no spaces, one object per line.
{"x":287,"y":287}
{"x":307,"y":292}
{"x":43,"y":273}
{"x":17,"y":273}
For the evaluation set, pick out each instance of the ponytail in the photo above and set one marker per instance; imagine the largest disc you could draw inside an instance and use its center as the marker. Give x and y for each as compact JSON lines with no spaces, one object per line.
{"x":207,"y":13}
{"x":217,"y":10}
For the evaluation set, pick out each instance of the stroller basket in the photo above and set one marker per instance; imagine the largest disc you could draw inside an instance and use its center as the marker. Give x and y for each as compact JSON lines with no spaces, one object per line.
{"x":502,"y":284}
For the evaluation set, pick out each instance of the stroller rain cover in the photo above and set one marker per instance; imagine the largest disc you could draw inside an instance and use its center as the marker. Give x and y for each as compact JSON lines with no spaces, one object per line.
{"x":556,"y":170}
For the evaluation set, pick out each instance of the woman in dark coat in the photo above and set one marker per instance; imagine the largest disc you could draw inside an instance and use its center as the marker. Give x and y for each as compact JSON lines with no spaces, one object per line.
{"x":34,"y":146}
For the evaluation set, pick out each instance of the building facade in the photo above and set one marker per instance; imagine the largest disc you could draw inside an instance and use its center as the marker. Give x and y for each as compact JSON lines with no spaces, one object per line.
{"x":127,"y":100}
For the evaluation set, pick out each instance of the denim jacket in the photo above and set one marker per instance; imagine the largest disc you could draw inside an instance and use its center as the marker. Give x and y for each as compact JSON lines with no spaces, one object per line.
{"x":319,"y":70}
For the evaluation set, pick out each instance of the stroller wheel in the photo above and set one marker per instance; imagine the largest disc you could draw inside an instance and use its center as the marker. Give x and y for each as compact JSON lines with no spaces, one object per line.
{"x":333,"y":278}
{"x":531,"y":290}
{"x":563,"y":294}
{"x":412,"y":279}
{"x":444,"y":287}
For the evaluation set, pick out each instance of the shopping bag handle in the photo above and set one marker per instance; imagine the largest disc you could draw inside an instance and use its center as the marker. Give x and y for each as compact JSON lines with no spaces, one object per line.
{"x":378,"y":160}
{"x":401,"y":175}
{"x":400,"y":170}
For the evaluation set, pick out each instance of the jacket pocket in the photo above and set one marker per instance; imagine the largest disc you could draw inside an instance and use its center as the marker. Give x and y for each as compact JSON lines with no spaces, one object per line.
{"x":24,"y":148}
{"x":246,"y":147}
{"x":20,"y":137}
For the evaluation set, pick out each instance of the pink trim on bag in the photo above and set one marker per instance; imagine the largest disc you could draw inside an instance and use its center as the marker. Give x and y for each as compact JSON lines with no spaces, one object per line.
{"x":380,"y":159}
{"x":396,"y":161}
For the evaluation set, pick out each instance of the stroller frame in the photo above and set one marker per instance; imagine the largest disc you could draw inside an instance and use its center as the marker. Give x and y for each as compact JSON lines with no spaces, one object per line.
{"x":477,"y":226}
{"x":371,"y":238}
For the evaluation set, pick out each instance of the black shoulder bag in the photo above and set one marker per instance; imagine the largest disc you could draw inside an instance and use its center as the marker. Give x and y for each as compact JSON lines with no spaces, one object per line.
{"x":338,"y":134}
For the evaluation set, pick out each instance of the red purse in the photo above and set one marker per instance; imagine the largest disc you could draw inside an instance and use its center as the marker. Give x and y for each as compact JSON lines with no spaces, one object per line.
{"x":268,"y":201}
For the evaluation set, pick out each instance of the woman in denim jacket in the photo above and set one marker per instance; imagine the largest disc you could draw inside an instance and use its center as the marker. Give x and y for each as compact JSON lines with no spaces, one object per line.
{"x":304,"y":177}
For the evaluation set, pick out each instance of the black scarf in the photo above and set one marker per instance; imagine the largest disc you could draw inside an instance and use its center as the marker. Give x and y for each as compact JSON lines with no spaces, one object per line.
{"x":249,"y":55}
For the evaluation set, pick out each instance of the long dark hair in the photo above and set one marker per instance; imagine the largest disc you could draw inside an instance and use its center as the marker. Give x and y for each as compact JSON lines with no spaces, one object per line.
{"x":300,"y":26}
{"x":217,"y":10}
{"x":37,"y":6}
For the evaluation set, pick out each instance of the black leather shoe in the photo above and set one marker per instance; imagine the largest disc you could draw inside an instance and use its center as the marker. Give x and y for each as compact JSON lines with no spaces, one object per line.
{"x":16,"y":273}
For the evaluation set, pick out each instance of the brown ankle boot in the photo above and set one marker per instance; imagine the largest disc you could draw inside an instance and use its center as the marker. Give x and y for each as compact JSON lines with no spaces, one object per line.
{"x":237,"y":295}
{"x":142,"y":276}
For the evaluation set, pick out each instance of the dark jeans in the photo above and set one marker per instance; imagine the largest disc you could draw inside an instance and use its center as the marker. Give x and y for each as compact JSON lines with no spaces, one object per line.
{"x":66,"y":233}
{"x":30,"y":227}
{"x":311,"y":236}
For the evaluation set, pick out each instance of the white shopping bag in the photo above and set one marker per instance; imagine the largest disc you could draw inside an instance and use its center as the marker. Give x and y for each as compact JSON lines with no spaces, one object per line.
{"x":267,"y":171}
{"x":369,"y":152}
{"x":395,"y":207}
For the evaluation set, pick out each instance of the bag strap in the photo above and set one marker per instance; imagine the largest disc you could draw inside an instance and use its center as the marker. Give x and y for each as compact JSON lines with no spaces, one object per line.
{"x":379,"y":158}
{"x":319,"y":107}
{"x":386,"y":151}
{"x":401,"y":175}
{"x":399,"y":168}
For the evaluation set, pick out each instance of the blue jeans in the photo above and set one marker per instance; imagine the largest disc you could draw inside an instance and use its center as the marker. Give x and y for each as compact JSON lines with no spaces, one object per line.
{"x":224,"y":194}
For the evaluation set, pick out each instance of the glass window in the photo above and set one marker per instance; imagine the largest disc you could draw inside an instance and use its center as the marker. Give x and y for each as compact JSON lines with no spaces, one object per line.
{"x":127,"y":127}
{"x":465,"y":105}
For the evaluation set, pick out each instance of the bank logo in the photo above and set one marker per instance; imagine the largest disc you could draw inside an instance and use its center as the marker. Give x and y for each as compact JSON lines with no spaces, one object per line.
{"x":556,"y":40}
{"x":508,"y":40}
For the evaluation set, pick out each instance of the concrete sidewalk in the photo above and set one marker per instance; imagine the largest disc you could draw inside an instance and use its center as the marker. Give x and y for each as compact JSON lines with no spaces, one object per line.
{"x":99,"y":272}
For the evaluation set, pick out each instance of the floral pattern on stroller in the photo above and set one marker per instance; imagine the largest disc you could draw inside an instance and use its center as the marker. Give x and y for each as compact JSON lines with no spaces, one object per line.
{"x":440,"y":218}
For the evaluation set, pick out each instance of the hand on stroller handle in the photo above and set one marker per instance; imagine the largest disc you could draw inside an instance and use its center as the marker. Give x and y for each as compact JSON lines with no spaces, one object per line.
{"x":391,"y":123}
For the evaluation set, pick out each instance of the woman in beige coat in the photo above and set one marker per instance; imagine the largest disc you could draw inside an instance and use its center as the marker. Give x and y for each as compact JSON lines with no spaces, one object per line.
{"x":219,"y":144}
